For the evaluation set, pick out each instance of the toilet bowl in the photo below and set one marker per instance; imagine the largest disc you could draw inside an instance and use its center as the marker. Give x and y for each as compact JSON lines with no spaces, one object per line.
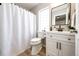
{"x":36,"y":45}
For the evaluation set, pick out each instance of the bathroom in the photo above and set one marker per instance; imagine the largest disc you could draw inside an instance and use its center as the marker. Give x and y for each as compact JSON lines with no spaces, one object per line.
{"x":39,"y":29}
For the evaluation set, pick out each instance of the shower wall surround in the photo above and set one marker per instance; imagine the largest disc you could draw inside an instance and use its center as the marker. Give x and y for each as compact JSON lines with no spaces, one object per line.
{"x":17,"y":27}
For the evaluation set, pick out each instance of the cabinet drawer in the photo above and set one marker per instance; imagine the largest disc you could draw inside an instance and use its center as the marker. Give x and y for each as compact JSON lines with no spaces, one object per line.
{"x":68,"y":38}
{"x":49,"y":35}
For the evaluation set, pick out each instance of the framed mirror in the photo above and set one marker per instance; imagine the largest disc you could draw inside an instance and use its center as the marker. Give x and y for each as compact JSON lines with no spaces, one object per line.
{"x":60,"y":14}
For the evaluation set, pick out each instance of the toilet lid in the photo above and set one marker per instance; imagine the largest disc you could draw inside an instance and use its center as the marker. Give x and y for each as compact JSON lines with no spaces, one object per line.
{"x":35,"y":39}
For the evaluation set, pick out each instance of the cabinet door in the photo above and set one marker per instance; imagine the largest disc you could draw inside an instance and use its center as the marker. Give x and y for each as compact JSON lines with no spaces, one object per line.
{"x":67,"y":49}
{"x":51,"y":47}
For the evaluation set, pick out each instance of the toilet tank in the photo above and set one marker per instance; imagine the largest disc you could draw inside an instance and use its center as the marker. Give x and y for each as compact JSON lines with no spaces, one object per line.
{"x":40,"y":34}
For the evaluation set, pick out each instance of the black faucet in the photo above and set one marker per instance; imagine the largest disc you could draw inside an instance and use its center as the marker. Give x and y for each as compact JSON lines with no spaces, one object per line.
{"x":60,"y":29}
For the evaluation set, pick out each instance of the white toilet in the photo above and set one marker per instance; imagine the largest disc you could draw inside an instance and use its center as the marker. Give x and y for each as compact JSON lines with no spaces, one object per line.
{"x":36,"y":45}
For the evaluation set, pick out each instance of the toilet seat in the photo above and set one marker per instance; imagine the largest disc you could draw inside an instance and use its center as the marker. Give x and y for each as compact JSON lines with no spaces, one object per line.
{"x":35,"y":41}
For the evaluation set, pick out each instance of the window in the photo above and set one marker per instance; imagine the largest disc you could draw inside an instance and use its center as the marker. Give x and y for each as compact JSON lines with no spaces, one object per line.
{"x":43,"y":19}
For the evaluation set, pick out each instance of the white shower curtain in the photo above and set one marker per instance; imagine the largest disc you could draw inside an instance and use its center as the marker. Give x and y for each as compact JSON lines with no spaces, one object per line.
{"x":17,"y":27}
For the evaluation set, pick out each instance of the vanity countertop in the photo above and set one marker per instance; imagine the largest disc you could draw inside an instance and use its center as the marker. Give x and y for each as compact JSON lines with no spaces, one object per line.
{"x":59,"y":32}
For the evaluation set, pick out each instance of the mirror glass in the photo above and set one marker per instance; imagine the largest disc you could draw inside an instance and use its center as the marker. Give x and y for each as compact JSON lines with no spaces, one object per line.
{"x":60,"y":19}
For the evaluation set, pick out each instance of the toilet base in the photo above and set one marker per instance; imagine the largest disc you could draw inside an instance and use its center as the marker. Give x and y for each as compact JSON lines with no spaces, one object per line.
{"x":36,"y":49}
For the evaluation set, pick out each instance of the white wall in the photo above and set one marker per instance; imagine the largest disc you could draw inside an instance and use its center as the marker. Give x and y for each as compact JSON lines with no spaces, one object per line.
{"x":38,"y":7}
{"x":35,"y":11}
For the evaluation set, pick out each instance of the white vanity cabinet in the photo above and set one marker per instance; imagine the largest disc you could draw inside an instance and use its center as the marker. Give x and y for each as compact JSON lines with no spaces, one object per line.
{"x":60,"y":44}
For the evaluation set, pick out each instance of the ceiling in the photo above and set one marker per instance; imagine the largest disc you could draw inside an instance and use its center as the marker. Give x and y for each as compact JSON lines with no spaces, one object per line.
{"x":27,"y":6}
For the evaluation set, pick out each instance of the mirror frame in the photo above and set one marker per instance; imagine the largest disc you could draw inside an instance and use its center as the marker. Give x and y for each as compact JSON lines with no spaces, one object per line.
{"x":68,"y":7}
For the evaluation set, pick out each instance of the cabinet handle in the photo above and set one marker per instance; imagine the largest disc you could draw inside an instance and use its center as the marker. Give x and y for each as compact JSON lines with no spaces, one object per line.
{"x":50,"y":35}
{"x":57,"y":45}
{"x":69,"y":39}
{"x":60,"y":46}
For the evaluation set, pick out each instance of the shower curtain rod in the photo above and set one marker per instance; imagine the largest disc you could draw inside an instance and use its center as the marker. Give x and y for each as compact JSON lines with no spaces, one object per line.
{"x":11,"y":3}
